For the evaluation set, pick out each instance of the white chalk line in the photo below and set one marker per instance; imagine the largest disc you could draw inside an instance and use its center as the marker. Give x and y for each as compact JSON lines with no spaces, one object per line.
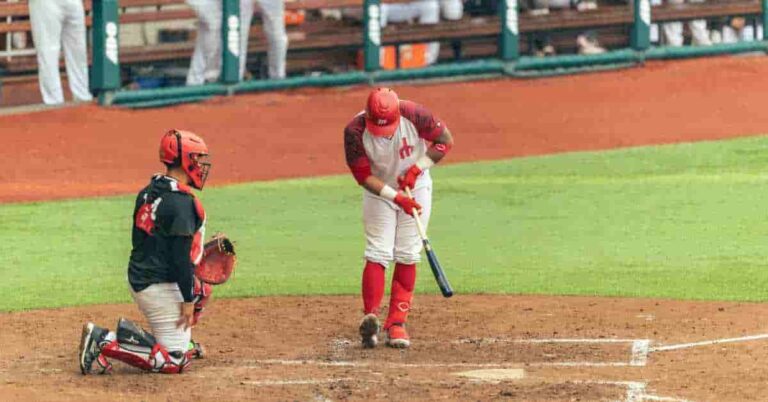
{"x":310,"y":381}
{"x":664,"y":348}
{"x":432,"y":365}
{"x":636,"y":390}
{"x":546,"y":340}
{"x":640,"y":349}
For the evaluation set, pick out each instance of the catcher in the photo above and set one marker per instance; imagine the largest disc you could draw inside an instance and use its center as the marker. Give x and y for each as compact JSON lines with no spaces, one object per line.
{"x":170,"y":271}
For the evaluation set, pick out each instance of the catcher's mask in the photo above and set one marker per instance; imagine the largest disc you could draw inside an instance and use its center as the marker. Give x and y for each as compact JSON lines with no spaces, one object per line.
{"x":185,"y":149}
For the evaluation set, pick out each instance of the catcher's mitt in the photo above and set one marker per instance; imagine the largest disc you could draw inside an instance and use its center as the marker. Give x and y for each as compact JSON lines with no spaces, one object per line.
{"x":218,"y":261}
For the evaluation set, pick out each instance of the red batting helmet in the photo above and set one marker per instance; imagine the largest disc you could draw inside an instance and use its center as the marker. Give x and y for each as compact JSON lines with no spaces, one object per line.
{"x":185,"y":149}
{"x":382,"y":112}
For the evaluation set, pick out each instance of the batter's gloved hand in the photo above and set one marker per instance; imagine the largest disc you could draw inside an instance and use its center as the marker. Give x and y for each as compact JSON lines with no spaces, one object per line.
{"x":409,"y":205}
{"x":408,"y":179}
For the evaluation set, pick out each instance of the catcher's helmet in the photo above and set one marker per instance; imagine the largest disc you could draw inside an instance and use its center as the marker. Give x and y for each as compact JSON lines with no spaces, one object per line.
{"x":382,"y":112}
{"x":185,"y":149}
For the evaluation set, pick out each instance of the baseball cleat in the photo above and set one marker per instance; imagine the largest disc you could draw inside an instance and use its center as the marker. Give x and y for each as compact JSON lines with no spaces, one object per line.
{"x":369,"y":331}
{"x":398,"y":337}
{"x":197,"y":349}
{"x":90,"y":351}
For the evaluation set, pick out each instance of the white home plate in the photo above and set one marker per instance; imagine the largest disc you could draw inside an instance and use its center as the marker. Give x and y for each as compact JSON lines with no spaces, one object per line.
{"x":493,"y":374}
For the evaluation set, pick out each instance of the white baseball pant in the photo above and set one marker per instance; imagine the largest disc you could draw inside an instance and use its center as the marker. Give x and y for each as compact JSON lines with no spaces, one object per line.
{"x":427,"y":12}
{"x":673,"y":31}
{"x":206,"y":58}
{"x":390,"y":233}
{"x":56,"y":23}
{"x":161,"y":305}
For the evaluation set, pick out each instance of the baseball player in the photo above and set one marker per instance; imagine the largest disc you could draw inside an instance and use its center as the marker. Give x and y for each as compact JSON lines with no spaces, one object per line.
{"x":206,"y":58}
{"x":390,"y":146}
{"x":427,"y":12}
{"x":56,"y":23}
{"x":168,"y":228}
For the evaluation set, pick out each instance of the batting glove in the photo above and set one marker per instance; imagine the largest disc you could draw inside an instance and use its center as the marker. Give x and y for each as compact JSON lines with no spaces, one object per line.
{"x":408,"y":180}
{"x":409,"y":205}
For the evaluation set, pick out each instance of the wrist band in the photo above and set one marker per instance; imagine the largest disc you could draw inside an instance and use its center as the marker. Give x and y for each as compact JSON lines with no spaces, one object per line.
{"x":425,"y":162}
{"x":388,"y":193}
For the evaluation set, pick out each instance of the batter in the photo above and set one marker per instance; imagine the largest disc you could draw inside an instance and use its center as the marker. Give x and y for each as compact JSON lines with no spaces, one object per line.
{"x":392,"y":145}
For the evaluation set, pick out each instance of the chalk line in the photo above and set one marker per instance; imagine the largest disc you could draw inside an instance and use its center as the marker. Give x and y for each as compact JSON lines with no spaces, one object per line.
{"x":434,"y":365}
{"x":665,"y":348}
{"x":309,"y":381}
{"x":549,"y":340}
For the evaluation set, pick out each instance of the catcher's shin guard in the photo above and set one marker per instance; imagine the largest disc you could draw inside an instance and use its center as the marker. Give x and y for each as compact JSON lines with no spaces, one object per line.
{"x":138,"y":348}
{"x":403,"y":282}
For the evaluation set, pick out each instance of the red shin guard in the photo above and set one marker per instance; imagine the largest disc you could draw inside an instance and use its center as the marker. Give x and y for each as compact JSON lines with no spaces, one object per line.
{"x":158,"y":360}
{"x":403,"y":282}
{"x":373,"y":287}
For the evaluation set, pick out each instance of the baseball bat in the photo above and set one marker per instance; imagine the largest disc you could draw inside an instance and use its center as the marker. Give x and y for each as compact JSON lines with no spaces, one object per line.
{"x":434,"y":263}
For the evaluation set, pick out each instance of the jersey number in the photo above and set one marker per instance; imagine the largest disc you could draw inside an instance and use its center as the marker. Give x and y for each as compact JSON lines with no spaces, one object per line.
{"x":146,"y":215}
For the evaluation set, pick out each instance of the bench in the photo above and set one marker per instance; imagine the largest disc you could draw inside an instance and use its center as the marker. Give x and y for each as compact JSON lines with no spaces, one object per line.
{"x":312,"y":43}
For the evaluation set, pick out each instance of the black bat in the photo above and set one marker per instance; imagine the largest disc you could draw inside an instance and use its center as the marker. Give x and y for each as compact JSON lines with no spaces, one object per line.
{"x":437,"y":269}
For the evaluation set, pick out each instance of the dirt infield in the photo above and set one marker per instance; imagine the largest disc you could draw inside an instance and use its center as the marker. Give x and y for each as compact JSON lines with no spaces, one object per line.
{"x":88,"y":150}
{"x":290,"y":348}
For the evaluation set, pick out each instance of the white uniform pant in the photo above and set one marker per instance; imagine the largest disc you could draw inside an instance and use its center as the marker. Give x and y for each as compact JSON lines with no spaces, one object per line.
{"x":161,"y":305}
{"x":206,"y":58}
{"x":390,"y":233}
{"x":56,"y":23}
{"x":673,"y":31}
{"x":426,"y":12}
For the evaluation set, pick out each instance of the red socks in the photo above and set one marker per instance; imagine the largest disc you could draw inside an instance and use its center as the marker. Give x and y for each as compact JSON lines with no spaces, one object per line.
{"x":403,"y":282}
{"x":373,"y":287}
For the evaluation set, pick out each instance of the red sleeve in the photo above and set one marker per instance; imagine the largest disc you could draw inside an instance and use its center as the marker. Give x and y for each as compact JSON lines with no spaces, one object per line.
{"x":428,"y":126}
{"x":357,"y":160}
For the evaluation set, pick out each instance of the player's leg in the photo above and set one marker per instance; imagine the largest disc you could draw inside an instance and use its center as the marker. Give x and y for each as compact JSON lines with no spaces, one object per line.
{"x":136,"y":347}
{"x":699,"y":33}
{"x":75,"y":51}
{"x":167,"y":350}
{"x":206,"y":58}
{"x":380,"y":222}
{"x":407,"y":254}
{"x":45,"y":17}
{"x":131,"y":345}
{"x":273,"y":22}
{"x":429,"y":14}
{"x":246,"y":16}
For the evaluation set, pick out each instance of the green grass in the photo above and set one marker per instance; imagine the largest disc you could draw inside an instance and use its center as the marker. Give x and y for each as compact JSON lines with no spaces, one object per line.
{"x":682,"y":221}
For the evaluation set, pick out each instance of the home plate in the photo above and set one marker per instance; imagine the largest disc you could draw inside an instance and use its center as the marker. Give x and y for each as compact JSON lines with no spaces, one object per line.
{"x":493,"y":374}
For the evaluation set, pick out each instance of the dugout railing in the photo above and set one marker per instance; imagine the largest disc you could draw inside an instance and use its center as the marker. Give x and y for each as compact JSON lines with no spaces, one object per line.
{"x":498,"y":41}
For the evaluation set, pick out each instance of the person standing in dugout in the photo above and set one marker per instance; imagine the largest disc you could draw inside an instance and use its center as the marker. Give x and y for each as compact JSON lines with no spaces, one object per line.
{"x":393,"y":144}
{"x":168,"y":229}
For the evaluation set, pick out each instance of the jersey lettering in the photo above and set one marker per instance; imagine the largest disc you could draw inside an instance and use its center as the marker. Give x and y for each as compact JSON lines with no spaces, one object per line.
{"x":406,"y":150}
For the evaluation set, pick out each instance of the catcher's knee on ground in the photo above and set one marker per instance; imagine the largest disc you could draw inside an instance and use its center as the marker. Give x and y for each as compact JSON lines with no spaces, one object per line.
{"x":138,"y":348}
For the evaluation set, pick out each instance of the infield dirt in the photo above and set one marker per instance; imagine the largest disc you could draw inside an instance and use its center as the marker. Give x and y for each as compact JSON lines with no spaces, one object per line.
{"x":307,"y":348}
